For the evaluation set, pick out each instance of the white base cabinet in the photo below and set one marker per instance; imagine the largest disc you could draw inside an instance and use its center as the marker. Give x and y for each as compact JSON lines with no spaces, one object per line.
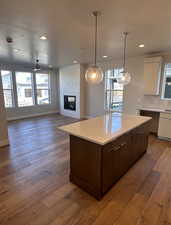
{"x":164,"y":130}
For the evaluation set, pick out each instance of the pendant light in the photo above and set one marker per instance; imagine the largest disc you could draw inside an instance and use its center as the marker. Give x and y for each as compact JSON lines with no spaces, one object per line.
{"x":125,"y":77}
{"x":94,"y":74}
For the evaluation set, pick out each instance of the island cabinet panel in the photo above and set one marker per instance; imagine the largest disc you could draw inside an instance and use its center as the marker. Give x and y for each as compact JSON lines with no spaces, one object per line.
{"x":85,"y":165}
{"x":139,"y":141}
{"x":95,"y":168}
{"x":116,"y":160}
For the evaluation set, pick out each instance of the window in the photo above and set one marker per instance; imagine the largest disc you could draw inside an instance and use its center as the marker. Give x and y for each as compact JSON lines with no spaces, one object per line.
{"x":28,"y":93}
{"x":113,"y":90}
{"x":42,"y":87}
{"x":31,"y":88}
{"x":7,"y":88}
{"x":166,"y":92}
{"x":24,"y":83}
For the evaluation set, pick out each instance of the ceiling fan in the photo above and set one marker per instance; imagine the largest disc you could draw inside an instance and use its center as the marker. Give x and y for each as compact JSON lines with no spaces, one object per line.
{"x":37,"y":66}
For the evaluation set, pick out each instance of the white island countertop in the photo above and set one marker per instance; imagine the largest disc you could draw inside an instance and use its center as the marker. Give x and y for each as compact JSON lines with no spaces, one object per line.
{"x":104,"y":129}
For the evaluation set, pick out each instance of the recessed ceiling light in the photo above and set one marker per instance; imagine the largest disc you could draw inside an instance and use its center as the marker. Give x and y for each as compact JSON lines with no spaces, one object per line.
{"x":75,"y":61}
{"x":141,"y":46}
{"x":16,"y":50}
{"x":105,"y":56}
{"x":43,"y":38}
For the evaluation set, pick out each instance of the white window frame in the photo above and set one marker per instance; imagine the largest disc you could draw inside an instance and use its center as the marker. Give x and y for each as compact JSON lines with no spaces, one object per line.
{"x":32,"y":85}
{"x":8,"y":89}
{"x":164,"y":83}
{"x":34,"y":88}
{"x":107,"y":108}
{"x":49,"y":89}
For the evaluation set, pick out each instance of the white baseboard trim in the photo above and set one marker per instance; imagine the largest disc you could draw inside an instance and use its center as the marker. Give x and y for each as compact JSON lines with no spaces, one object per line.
{"x":88,"y":117}
{"x":69,"y":115}
{"x":4,"y":143}
{"x":164,"y":138}
{"x":32,"y":115}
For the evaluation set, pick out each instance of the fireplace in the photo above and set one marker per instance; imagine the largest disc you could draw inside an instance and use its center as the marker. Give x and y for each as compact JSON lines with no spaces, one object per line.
{"x":70,"y":102}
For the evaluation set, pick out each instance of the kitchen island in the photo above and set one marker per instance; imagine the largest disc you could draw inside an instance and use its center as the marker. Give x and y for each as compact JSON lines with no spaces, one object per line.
{"x":102,"y":149}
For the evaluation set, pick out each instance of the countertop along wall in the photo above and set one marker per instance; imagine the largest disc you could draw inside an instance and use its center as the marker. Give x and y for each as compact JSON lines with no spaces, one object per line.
{"x":31,"y":111}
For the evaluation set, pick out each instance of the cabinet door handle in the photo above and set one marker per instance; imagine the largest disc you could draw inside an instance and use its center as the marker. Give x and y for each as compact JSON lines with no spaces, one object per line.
{"x":123,"y":144}
{"x":117,"y":148}
{"x":114,"y":149}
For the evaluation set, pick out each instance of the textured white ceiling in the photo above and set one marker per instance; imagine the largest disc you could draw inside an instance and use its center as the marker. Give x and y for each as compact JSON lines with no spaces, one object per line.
{"x":69,"y":26}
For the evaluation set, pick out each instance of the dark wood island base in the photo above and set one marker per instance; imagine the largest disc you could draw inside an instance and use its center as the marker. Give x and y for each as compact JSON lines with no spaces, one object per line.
{"x":95,"y":168}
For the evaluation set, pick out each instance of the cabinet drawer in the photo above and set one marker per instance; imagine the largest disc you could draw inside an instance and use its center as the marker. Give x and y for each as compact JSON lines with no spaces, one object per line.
{"x":117,"y":142}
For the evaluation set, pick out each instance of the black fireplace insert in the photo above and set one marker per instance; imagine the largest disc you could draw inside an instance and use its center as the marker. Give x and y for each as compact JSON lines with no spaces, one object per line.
{"x":70,"y":102}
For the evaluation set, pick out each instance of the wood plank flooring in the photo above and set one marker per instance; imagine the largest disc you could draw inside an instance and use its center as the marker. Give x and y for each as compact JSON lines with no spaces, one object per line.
{"x":35,"y":187}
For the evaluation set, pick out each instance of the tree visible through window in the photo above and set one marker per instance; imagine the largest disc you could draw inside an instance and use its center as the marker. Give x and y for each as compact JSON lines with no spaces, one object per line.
{"x":7,"y":88}
{"x":113,"y":90}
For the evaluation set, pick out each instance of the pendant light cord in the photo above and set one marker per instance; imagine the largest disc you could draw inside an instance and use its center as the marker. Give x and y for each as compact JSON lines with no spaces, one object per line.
{"x":95,"y":50}
{"x":124,"y":53}
{"x":95,"y":14}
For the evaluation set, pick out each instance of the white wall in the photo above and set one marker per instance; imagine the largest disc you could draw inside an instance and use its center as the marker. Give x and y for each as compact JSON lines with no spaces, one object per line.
{"x":94,"y":99}
{"x":133,"y":93}
{"x":23,"y":112}
{"x":3,"y":122}
{"x":72,"y":83}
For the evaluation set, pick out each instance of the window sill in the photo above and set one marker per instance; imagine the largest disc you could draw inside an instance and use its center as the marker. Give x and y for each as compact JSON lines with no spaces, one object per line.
{"x":166,"y":99}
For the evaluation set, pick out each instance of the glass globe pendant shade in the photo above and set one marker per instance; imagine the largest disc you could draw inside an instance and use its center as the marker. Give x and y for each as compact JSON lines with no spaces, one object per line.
{"x":94,"y":75}
{"x":124,"y":79}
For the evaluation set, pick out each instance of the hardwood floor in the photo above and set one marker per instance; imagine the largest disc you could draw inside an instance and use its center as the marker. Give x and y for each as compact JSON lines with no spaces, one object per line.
{"x":35,"y":187}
